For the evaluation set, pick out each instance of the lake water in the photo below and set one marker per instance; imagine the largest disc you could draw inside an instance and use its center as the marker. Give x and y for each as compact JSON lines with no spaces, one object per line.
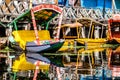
{"x":76,"y":63}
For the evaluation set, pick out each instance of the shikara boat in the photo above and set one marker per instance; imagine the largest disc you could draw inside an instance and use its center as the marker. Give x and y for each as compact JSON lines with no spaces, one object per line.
{"x":34,"y":40}
{"x":69,"y":32}
{"x":114,"y":61}
{"x":114,"y":29}
{"x":83,"y":32}
{"x":92,"y":33}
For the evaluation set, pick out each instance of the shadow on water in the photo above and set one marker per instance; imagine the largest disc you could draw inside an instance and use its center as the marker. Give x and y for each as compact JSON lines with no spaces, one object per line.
{"x":75,"y":63}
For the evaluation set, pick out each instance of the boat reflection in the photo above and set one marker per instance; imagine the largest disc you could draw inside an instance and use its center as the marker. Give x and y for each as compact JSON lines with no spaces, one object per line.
{"x":84,"y":62}
{"x":96,"y":63}
{"x":28,"y":64}
{"x":114,"y":62}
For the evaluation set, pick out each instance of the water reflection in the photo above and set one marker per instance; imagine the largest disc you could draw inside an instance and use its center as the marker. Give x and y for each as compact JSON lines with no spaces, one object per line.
{"x":114,"y":61}
{"x":75,"y":64}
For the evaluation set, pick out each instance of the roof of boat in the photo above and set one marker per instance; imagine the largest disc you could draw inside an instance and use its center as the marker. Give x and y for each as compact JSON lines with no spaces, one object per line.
{"x":87,"y":21}
{"x":72,"y":25}
{"x":43,"y":13}
{"x":115,"y":18}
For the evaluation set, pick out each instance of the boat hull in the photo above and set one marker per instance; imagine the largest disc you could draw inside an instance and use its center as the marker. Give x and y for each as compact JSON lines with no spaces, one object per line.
{"x":68,"y":44}
{"x":114,"y":41}
{"x":91,"y":42}
{"x":32,"y":47}
{"x":47,"y":48}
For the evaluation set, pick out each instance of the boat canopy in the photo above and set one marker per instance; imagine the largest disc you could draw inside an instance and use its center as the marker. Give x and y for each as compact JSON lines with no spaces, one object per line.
{"x":43,"y":13}
{"x":88,"y":21}
{"x":115,"y":18}
{"x":72,"y":25}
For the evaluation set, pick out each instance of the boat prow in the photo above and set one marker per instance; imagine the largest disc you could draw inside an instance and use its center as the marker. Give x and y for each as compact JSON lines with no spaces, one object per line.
{"x":44,"y":48}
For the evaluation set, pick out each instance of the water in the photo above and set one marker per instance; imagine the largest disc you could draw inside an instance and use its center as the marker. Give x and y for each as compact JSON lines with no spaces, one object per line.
{"x":77,"y":63}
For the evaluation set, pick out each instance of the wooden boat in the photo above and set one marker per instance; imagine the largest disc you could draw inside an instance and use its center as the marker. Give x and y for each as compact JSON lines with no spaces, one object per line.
{"x":114,"y":29}
{"x":83,"y":32}
{"x":92,"y":33}
{"x":36,"y":40}
{"x":114,"y":61}
{"x":69,"y":32}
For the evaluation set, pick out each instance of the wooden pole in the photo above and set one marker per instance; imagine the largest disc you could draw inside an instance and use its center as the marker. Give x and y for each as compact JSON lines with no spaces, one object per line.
{"x":35,"y":27}
{"x":59,"y":26}
{"x":30,"y":5}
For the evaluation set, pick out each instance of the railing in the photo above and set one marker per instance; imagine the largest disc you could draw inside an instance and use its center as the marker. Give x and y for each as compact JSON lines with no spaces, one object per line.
{"x":10,"y":11}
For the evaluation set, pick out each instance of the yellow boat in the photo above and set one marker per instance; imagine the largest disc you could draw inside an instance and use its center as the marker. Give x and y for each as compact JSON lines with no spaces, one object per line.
{"x":85,"y":31}
{"x":69,"y":36}
{"x":37,"y":38}
{"x":92,"y":33}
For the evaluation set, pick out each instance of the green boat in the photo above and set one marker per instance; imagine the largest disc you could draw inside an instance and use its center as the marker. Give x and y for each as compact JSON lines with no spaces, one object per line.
{"x":34,"y":40}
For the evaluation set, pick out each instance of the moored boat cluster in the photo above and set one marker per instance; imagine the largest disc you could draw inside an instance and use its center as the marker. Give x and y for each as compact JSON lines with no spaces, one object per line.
{"x":85,"y":38}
